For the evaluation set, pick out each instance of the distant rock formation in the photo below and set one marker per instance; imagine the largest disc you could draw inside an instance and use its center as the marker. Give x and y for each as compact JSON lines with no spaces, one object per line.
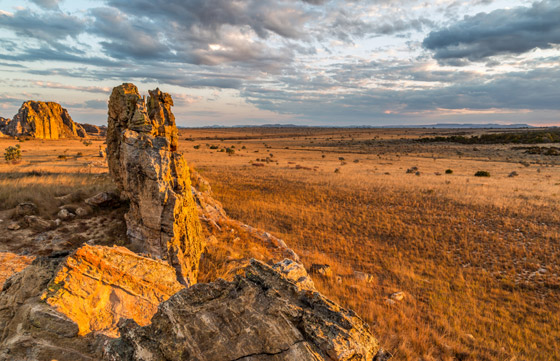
{"x":3,"y":124}
{"x":144,"y":163}
{"x":95,"y":130}
{"x":43,"y":120}
{"x":260,"y":315}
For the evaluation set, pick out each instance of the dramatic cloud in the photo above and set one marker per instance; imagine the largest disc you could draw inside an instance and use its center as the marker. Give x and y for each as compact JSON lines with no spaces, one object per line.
{"x":504,"y":31}
{"x":49,"y":27}
{"x":313,"y":61}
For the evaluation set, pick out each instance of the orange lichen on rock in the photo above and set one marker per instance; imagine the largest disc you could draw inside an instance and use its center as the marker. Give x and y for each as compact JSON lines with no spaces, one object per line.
{"x":11,"y":263}
{"x":97,"y":286}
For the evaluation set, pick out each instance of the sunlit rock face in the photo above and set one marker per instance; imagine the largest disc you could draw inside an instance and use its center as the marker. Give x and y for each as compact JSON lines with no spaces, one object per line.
{"x":144,"y":163}
{"x":97,"y":286}
{"x":43,"y":120}
{"x":260,"y":315}
{"x":10,"y":264}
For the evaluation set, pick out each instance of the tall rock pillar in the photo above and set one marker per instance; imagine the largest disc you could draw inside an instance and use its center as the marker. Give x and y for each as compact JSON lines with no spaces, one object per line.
{"x":144,"y":163}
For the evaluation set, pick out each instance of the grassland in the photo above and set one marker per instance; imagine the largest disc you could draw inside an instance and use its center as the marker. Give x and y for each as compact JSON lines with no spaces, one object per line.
{"x":477,"y":258}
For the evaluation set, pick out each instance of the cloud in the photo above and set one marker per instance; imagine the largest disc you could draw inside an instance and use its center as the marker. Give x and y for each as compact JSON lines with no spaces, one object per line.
{"x":89,"y":89}
{"x":47,"y":4}
{"x":49,"y":27}
{"x":505,"y":31}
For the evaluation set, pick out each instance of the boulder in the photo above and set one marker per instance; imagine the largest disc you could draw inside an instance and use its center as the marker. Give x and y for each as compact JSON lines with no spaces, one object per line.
{"x":143,"y":160}
{"x":260,"y":315}
{"x":10,"y":264}
{"x":364,"y":277}
{"x":321,"y":269}
{"x":295,"y":272}
{"x":30,"y":329}
{"x":94,"y":130}
{"x":43,"y":120}
{"x":103,"y":200}
{"x":97,"y":286}
{"x":26,"y":209}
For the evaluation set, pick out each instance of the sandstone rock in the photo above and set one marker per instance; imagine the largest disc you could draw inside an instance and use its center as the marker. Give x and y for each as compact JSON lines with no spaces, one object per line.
{"x":103,"y":199}
{"x":3,"y":124}
{"x":65,"y":214}
{"x":397,"y":296}
{"x":259,"y":316}
{"x":38,"y":223}
{"x":94,"y":130}
{"x":14,"y":226}
{"x":10,"y":264}
{"x":296,"y":272}
{"x":82,"y":212}
{"x":26,"y":209}
{"x":321,"y":269}
{"x":143,"y":161}
{"x":364,"y":277}
{"x":43,"y":120}
{"x":31,"y":330}
{"x":97,"y":286}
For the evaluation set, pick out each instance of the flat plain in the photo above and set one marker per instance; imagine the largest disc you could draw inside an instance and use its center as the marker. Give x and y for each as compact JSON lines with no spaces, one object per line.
{"x":477,"y":259}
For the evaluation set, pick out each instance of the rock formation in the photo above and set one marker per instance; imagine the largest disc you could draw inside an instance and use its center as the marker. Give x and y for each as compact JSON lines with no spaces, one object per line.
{"x":97,"y":286}
{"x":144,"y":163}
{"x":94,"y":130}
{"x":43,"y":120}
{"x":11,"y":264}
{"x":261,"y":315}
{"x":3,"y":123}
{"x":90,"y":301}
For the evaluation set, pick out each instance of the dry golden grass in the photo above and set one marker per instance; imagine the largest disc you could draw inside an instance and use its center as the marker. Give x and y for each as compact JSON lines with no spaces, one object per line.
{"x":478,"y":258}
{"x":49,"y":169}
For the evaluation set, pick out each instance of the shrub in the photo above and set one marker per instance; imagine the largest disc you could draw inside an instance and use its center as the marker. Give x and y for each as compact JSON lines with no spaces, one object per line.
{"x":87,"y":142}
{"x":230,"y":151}
{"x":449,"y":171}
{"x":196,"y":146}
{"x":214,"y":147}
{"x":12,"y":154}
{"x":482,"y":173}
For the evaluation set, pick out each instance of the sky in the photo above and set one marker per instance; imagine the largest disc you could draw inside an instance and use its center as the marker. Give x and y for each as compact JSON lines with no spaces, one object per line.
{"x":303,"y":62}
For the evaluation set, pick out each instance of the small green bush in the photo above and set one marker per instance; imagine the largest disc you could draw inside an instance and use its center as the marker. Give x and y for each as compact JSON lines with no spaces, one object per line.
{"x":197,"y":146}
{"x":482,"y":173}
{"x":449,"y":171}
{"x":230,"y":151}
{"x":12,"y":154}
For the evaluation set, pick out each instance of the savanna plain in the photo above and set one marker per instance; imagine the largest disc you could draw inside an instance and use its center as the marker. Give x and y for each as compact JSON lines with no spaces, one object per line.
{"x":474,"y":259}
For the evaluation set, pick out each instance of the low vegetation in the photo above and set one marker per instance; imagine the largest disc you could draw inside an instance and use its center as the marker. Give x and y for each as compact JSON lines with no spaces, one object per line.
{"x":525,"y":137}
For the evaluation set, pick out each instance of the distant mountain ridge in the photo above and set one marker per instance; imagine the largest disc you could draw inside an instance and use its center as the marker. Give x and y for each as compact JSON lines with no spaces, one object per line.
{"x":438,"y":125}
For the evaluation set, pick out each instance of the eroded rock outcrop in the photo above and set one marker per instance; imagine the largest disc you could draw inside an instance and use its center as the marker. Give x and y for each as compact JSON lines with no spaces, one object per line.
{"x":32,"y":330}
{"x":144,"y":163}
{"x":43,"y":120}
{"x":260,"y":315}
{"x":3,"y":123}
{"x":97,"y":286}
{"x":10,"y":264}
{"x":94,"y":130}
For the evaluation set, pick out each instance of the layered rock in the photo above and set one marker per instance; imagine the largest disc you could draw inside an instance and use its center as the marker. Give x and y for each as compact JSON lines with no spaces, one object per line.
{"x":261,"y":315}
{"x":43,"y":120}
{"x":10,"y":264}
{"x":97,"y":286}
{"x":3,"y":123}
{"x":30,"y":329}
{"x":94,"y":130}
{"x":144,"y":163}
